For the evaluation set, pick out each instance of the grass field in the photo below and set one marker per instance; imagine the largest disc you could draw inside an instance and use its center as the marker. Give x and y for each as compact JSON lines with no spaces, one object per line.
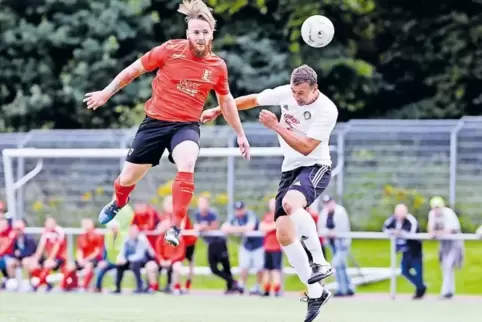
{"x":16,"y":307}
{"x":376,"y":253}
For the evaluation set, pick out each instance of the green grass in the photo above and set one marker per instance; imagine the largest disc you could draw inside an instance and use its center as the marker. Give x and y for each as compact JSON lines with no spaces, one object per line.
{"x":376,"y":253}
{"x":16,"y":307}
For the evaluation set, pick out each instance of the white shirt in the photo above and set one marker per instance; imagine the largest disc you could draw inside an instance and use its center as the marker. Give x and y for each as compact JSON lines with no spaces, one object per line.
{"x":315,"y":120}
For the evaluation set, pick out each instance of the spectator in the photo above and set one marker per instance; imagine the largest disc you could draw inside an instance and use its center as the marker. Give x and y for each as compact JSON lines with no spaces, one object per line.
{"x":443,"y":221}
{"x":50,"y":255}
{"x":132,"y":256}
{"x":334,"y":220}
{"x":7,"y":240}
{"x":316,"y":217}
{"x":147,"y":219}
{"x":24,"y":245}
{"x":4,"y":214}
{"x":88,"y":255}
{"x":113,"y":241}
{"x":251,"y":252}
{"x":190,"y":244}
{"x":273,"y":256}
{"x":400,"y":223}
{"x":167,"y":258}
{"x":207,"y":221}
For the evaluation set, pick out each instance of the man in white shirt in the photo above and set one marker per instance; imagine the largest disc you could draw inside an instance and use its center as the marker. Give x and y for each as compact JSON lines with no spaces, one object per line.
{"x":307,"y":119}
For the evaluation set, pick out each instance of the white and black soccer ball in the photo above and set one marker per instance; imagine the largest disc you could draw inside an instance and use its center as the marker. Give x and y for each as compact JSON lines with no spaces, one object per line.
{"x":317,"y":31}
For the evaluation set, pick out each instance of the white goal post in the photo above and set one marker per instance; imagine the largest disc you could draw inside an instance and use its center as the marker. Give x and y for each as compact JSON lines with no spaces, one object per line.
{"x":12,"y":185}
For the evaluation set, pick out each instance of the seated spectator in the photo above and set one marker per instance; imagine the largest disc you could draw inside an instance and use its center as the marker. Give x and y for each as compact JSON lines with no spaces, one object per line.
{"x":50,"y":255}
{"x":167,"y":258}
{"x":218,"y":254}
{"x":113,"y":241}
{"x":88,"y":255}
{"x":147,"y":219}
{"x":132,"y":257}
{"x":251,"y":252}
{"x":273,"y":256}
{"x":24,"y":246}
{"x":7,"y":240}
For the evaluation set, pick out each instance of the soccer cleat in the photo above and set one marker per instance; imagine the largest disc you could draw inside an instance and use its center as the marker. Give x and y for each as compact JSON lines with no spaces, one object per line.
{"x":172,"y":236}
{"x":320,"y":272}
{"x":314,"y":305}
{"x":109,"y":212}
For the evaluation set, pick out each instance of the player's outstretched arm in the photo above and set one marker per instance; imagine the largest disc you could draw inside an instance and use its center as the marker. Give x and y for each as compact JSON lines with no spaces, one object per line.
{"x":95,"y":100}
{"x":242,"y":103}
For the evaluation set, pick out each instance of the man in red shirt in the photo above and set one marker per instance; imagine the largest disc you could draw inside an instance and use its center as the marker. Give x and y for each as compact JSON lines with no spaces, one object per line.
{"x":273,"y":256}
{"x":187,"y":71}
{"x":7,"y":241}
{"x":168,"y":258}
{"x":190,"y":243}
{"x":50,"y":255}
{"x":147,"y":219}
{"x":90,"y":245}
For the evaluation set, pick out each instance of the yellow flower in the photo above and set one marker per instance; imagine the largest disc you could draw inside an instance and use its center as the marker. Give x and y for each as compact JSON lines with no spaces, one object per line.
{"x":37,"y":205}
{"x":165,"y":189}
{"x":221,"y":199}
{"x":99,"y":191}
{"x":87,"y":196}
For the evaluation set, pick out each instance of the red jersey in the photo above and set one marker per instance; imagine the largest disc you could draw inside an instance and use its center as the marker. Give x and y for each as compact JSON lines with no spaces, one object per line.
{"x":183,"y":81}
{"x":271,"y":243}
{"x":89,"y":243}
{"x":186,"y":223}
{"x":52,"y":238}
{"x":7,"y":241}
{"x":147,"y":221}
{"x":164,"y":251}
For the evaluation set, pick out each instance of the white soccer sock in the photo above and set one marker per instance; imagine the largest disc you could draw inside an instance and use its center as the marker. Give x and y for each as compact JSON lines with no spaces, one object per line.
{"x":306,"y":226}
{"x":299,"y":260}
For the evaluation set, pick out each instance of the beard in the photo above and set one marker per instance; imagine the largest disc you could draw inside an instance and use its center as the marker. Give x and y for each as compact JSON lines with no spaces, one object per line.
{"x":198,"y":52}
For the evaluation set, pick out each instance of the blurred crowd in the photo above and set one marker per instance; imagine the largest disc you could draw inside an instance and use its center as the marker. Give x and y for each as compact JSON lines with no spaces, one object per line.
{"x":134,"y":242}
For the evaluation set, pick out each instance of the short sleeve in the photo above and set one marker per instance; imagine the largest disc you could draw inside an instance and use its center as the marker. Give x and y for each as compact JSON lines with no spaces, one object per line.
{"x":271,"y":96}
{"x":451,"y":220}
{"x":222,"y":85}
{"x":155,"y":58}
{"x":324,"y":123}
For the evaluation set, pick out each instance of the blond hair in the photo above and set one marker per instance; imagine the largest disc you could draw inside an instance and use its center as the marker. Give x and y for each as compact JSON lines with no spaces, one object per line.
{"x":197,"y":9}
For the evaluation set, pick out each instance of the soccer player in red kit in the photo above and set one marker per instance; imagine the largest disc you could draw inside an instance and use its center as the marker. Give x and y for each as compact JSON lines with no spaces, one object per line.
{"x":51,"y":253}
{"x":187,"y":71}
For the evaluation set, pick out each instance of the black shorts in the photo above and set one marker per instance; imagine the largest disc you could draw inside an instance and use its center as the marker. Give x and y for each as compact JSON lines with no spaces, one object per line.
{"x":58,"y":263}
{"x":153,"y":137}
{"x":310,"y":181}
{"x":190,"y":253}
{"x":79,"y":267}
{"x":273,"y":260}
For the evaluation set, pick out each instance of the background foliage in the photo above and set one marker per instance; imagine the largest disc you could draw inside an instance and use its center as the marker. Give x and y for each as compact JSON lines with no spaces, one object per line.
{"x":404,"y":59}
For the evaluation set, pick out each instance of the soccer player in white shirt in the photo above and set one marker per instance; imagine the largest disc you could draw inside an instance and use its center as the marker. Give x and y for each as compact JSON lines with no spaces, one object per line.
{"x":307,"y":119}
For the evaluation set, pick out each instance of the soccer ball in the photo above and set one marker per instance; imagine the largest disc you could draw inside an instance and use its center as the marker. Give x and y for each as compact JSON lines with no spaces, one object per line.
{"x":317,"y":31}
{"x":12,"y":284}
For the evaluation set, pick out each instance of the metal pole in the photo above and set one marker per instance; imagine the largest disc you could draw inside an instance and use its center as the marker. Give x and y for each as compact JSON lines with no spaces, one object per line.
{"x":341,"y":162}
{"x":231,"y":182}
{"x":9,"y":185}
{"x":453,"y":162}
{"x":393,"y":267}
{"x":20,"y":173}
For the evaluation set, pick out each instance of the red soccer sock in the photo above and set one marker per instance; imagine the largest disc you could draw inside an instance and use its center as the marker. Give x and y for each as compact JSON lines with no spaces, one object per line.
{"x":154,"y":287}
{"x":188,"y":284}
{"x":87,"y":279}
{"x":43,"y":276}
{"x":122,"y":193}
{"x":277,"y":288}
{"x":182,"y":193}
{"x":267,"y":287}
{"x":177,"y":286}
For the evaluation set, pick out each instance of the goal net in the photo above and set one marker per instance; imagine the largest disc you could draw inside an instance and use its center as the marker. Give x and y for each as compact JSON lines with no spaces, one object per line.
{"x":71,"y":184}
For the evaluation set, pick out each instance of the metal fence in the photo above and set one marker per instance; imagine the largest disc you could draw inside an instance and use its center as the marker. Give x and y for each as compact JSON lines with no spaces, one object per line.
{"x":383,"y":162}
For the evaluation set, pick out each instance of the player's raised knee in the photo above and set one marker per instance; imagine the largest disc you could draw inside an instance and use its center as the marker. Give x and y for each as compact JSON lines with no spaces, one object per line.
{"x":285,"y":231}
{"x":292,"y":201}
{"x":185,"y":155}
